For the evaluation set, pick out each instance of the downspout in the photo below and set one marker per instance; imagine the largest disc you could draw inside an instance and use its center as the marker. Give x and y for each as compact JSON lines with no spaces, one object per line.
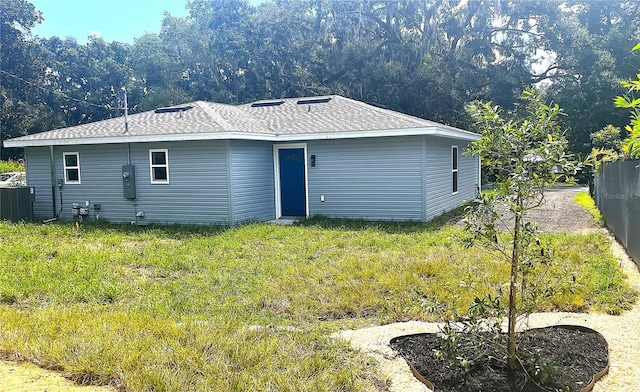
{"x":229,"y":183}
{"x":479,"y":175}
{"x":52,"y":168}
{"x":134,"y":201}
{"x":423,"y":178}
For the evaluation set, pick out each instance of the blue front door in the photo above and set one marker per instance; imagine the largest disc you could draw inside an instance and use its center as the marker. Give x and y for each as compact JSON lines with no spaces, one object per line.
{"x":293,"y":200}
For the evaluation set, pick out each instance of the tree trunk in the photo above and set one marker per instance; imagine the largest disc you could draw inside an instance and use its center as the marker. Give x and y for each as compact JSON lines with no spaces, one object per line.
{"x":515,"y":258}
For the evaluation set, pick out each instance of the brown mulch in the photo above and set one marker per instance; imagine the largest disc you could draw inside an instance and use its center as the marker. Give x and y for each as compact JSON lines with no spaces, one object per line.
{"x":572,"y":356}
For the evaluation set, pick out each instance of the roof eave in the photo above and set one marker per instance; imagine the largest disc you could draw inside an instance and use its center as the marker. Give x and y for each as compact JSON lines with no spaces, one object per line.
{"x":434,"y":131}
{"x":138,"y":139}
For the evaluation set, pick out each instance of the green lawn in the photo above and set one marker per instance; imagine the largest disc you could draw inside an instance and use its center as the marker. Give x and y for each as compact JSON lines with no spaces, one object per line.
{"x":172,"y":309}
{"x":584,"y":200}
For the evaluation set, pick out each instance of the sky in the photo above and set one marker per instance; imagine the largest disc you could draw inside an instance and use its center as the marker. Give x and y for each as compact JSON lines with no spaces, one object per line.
{"x":113,"y":20}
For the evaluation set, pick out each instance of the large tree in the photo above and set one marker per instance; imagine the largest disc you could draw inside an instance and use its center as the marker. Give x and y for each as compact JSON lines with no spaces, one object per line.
{"x":426,"y":58}
{"x":83,"y":81}
{"x":590,"y":48}
{"x":21,"y":68}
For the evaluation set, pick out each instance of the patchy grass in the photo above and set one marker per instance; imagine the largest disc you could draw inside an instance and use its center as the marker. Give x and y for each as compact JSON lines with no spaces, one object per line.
{"x":172,"y":308}
{"x":584,"y":200}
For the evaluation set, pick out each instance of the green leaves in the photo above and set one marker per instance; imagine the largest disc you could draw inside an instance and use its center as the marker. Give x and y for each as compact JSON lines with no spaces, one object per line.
{"x":525,"y":155}
{"x":626,"y":102}
{"x":631,"y":145}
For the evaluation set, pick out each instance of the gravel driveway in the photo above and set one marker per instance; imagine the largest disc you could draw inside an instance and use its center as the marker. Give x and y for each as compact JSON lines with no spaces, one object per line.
{"x":561,"y":213}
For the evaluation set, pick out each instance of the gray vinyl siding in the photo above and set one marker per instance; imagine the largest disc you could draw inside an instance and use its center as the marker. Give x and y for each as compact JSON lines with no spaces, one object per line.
{"x":233,"y":181}
{"x":252,"y":181}
{"x":438,"y":179}
{"x":100,"y":181}
{"x":39,"y":177}
{"x":373,"y":178}
{"x":197,"y":191}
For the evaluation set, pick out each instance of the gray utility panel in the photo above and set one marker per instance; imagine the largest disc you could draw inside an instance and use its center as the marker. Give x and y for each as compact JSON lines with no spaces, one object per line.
{"x":129,"y":181}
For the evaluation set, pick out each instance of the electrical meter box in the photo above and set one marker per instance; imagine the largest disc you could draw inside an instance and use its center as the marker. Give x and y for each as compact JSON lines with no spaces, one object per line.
{"x":129,"y":181}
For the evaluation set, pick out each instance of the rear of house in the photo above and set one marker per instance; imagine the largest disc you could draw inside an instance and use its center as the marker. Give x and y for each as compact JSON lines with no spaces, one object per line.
{"x":206,"y":163}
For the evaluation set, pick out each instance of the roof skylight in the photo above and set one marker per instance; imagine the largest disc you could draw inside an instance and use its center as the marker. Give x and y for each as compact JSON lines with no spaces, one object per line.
{"x":313,"y":100}
{"x":268,"y":103}
{"x":173,"y":109}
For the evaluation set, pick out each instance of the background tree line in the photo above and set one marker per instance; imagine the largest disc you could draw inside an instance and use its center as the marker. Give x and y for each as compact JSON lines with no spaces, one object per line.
{"x":427,"y":58}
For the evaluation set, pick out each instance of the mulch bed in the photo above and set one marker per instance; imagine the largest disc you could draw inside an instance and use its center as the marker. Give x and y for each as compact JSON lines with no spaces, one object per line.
{"x":579,"y":354}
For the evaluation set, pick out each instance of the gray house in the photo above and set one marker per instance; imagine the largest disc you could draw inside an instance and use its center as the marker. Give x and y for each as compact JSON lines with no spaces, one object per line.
{"x":209,"y":163}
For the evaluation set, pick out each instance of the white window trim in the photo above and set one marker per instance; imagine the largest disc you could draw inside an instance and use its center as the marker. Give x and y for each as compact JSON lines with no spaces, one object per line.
{"x":276,"y":167}
{"x":151,"y":165}
{"x":65,"y":167}
{"x":455,"y":154}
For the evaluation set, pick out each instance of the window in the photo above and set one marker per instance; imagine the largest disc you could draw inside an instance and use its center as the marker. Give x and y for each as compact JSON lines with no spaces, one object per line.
{"x":71,"y":162}
{"x":159,"y":163}
{"x":454,"y":169}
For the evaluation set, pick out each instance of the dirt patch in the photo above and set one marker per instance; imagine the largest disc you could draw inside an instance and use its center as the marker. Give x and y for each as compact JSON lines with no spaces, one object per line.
{"x":26,"y":377}
{"x":575,"y":356}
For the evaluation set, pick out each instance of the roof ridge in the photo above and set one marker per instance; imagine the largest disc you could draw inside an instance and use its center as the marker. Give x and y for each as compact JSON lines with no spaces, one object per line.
{"x":394,"y":113}
{"x":405,"y":115}
{"x":214,"y":115}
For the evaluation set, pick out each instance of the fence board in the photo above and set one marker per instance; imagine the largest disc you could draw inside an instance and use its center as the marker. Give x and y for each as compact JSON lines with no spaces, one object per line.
{"x":617,"y":194}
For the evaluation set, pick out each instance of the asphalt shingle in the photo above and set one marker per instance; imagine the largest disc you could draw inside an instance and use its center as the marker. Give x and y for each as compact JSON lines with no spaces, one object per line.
{"x":291,"y":116}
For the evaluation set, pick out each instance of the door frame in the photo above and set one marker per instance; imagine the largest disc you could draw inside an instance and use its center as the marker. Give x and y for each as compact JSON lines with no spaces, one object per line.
{"x":276,"y":170}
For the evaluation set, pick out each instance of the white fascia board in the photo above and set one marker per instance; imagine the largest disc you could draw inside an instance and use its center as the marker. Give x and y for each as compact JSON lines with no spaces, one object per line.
{"x":435,"y":131}
{"x":462,"y":135}
{"x":140,"y":139}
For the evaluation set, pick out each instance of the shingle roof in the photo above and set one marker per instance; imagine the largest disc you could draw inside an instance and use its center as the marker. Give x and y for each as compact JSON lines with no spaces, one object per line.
{"x":286,"y":119}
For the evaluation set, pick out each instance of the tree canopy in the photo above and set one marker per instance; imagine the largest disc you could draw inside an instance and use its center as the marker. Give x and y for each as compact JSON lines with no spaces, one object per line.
{"x":426,"y":58}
